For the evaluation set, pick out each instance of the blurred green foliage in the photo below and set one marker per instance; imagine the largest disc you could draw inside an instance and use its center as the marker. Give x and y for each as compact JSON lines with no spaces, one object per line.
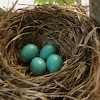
{"x":60,"y":2}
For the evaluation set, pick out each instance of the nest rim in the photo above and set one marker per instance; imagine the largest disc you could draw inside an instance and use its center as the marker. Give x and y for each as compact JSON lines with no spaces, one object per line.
{"x":55,"y":78}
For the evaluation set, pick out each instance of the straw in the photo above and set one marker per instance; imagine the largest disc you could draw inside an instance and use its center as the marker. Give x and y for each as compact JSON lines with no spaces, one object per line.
{"x":76,"y":37}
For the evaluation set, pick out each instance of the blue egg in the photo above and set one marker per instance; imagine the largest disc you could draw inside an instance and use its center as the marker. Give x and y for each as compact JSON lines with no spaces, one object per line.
{"x":54,"y":63}
{"x":47,"y":50}
{"x":38,"y":66}
{"x":28,"y":52}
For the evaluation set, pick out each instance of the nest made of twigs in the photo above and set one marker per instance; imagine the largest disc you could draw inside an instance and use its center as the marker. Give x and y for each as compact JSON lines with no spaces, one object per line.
{"x":77,"y":40}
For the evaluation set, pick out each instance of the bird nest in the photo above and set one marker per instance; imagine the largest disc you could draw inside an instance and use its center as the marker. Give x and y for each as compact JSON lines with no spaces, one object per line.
{"x":74,"y":34}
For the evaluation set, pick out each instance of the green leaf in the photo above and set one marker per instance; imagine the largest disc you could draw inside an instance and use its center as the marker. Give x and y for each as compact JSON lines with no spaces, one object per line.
{"x":42,"y":1}
{"x":51,"y":1}
{"x":35,"y":1}
{"x":60,"y":2}
{"x":70,"y":1}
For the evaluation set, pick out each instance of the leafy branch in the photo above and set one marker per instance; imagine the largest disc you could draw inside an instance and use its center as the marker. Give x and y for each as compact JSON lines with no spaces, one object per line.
{"x":60,"y":2}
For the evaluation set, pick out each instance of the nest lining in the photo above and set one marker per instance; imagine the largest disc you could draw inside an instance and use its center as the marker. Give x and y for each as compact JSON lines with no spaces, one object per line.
{"x":76,"y":38}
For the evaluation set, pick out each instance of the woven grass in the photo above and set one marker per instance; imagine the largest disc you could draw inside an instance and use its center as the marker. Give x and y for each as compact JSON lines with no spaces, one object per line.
{"x":77,"y":40}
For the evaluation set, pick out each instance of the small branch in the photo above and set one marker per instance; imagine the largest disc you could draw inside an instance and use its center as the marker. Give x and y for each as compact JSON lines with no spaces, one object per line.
{"x":65,"y":2}
{"x":13,"y":6}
